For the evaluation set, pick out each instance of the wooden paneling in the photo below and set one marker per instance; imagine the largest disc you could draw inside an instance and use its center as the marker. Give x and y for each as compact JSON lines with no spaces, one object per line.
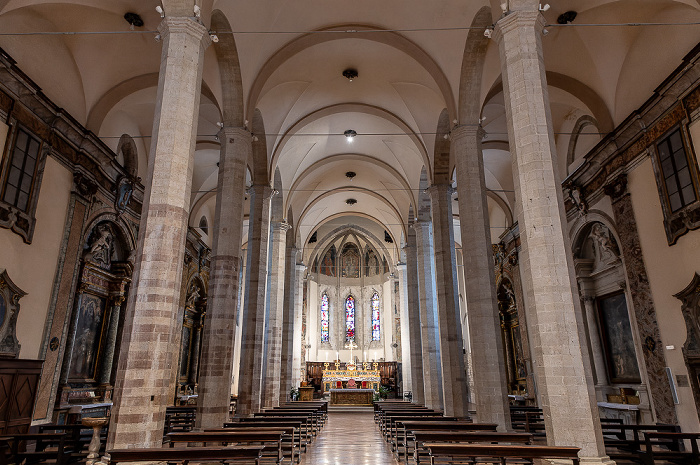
{"x":18,"y":384}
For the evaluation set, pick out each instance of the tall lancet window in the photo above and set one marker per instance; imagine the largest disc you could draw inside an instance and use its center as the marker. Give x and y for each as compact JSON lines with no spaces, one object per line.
{"x":376,"y":330}
{"x":324,"y":318}
{"x":350,"y":319}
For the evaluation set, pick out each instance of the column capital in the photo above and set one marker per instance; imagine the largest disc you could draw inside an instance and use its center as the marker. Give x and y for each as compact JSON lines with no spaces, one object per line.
{"x":261,"y":189}
{"x":230,"y":134}
{"x":467,"y":130}
{"x":436,"y":189}
{"x":401,"y":266}
{"x":175,"y":24}
{"x":281,"y":225}
{"x":515,"y":19}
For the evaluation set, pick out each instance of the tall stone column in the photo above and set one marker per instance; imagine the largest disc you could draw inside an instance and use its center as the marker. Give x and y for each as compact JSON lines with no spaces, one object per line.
{"x":290,"y":274}
{"x":454,"y":375}
{"x":219,"y":335}
{"x":642,"y":301}
{"x":405,"y":334}
{"x":565,"y":389}
{"x":142,"y":389}
{"x":414,"y":323}
{"x":491,"y":396}
{"x":596,"y":346}
{"x":273,"y":345}
{"x":253,"y":336}
{"x":110,"y":346}
{"x":299,"y":349}
{"x":429,"y":330}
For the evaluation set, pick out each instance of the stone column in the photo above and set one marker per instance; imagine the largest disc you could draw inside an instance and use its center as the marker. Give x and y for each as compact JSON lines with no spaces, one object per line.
{"x":642,"y":301}
{"x":290,"y":274}
{"x":429,"y":330}
{"x":299,"y":349}
{"x":253,"y":336}
{"x":142,"y":389}
{"x":405,"y":334}
{"x":196,"y":344}
{"x":273,"y":345}
{"x":454,"y":374}
{"x":110,"y":346}
{"x":594,"y":337}
{"x":219,"y":335}
{"x":491,"y":396}
{"x":564,"y":386}
{"x":414,"y":323}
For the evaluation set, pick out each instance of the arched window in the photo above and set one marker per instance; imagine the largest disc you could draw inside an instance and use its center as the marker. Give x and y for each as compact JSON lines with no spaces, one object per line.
{"x":203,"y":224}
{"x":376,"y":331}
{"x":350,"y":319}
{"x":324,"y":318}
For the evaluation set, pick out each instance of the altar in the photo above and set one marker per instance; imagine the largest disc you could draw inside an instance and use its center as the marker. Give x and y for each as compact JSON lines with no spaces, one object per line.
{"x":351,"y":378}
{"x":352,"y":396}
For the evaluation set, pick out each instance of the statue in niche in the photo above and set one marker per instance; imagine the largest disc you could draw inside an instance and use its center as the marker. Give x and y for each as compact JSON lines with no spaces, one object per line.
{"x":605,"y":245}
{"x":101,"y":249}
{"x":193,"y":295}
{"x":510,"y":295}
{"x":577,"y":199}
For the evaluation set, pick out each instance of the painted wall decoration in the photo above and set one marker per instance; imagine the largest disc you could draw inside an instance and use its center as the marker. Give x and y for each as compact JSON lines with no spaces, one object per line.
{"x":350,"y":262}
{"x":376,"y":329}
{"x":617,"y":336}
{"x":328,"y":262}
{"x":350,"y":319}
{"x":324,"y":318}
{"x":87,"y":337}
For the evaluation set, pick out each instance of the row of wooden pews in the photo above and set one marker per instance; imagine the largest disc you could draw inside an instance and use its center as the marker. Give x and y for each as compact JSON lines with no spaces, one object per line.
{"x":420,"y":434}
{"x":278,"y":435}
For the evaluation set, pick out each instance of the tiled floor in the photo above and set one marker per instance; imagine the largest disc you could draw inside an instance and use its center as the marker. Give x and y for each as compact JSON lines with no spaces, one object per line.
{"x":349,"y":439}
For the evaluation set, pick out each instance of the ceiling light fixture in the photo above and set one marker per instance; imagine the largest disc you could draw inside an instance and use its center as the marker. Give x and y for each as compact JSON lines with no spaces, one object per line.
{"x":544,"y":8}
{"x":350,"y":74}
{"x":351,"y":202}
{"x":159,"y":9}
{"x":350,"y":134}
{"x":350,"y":174}
{"x":133,"y":19}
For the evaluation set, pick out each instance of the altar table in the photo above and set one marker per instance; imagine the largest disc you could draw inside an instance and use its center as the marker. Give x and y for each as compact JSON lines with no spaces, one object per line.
{"x":352,"y":396}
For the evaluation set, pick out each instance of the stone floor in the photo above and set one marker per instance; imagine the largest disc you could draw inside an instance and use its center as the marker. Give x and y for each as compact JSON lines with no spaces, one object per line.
{"x":349,"y":438}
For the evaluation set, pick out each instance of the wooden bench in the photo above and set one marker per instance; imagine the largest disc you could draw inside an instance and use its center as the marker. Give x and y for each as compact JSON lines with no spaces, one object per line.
{"x":395,"y":431}
{"x":291,"y":439}
{"x":669,"y":447}
{"x":307,"y":426}
{"x":249,"y":454}
{"x":311,"y":420}
{"x":390,"y":419}
{"x":79,"y":436}
{"x":470,"y":453}
{"x":442,"y":425}
{"x":423,"y":437}
{"x":53,"y":447}
{"x":625,"y":442}
{"x":179,"y":419}
{"x":265,"y":438}
{"x":300,"y":433}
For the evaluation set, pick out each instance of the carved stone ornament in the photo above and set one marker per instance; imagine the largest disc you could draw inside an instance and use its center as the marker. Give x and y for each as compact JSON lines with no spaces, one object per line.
{"x":124,"y":190}
{"x":101,"y":247}
{"x":576,"y":197}
{"x":9,"y":309}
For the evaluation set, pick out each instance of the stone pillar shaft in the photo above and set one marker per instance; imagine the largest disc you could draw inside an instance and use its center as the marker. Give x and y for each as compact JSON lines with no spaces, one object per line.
{"x":454,"y":375}
{"x":273,"y":346}
{"x":430,"y":335}
{"x":491,"y":396}
{"x":110,"y":346}
{"x":299,"y":350}
{"x":642,"y":301}
{"x":290,"y":274}
{"x":405,"y":334}
{"x":414,"y":326}
{"x":596,"y":346}
{"x":253,"y":336}
{"x":224,"y":290}
{"x":142,"y":389}
{"x":566,"y":393}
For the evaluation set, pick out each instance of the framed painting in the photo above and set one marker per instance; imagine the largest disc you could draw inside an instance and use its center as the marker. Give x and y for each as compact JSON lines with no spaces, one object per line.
{"x":88,"y":334}
{"x":618,"y":343}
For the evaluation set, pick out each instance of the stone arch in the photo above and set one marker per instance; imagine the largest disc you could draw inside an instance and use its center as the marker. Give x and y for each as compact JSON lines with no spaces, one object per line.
{"x":333,"y":235}
{"x":580,"y":124}
{"x":230,"y":71}
{"x":122,"y":229}
{"x":127,"y":147}
{"x":441,"y":156}
{"x":392,"y":39}
{"x":259,"y":168}
{"x":473,"y":66}
{"x":345,"y":108}
{"x":581,"y":227}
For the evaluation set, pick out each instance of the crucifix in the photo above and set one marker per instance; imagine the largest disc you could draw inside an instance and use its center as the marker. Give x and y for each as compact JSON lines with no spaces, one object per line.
{"x":351,"y":345}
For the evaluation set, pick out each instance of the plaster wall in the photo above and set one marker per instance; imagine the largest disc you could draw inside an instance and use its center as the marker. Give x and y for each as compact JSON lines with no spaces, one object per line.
{"x":670,"y":269}
{"x":33,"y":266}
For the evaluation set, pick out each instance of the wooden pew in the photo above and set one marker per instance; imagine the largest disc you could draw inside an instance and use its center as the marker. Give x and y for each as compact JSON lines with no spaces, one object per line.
{"x":265,"y":438}
{"x":461,"y":437}
{"x":625,"y":442}
{"x":291,"y":439}
{"x":303,"y":437}
{"x":315,"y":411}
{"x":304,"y":420}
{"x":438,"y":425}
{"x":469,"y":453}
{"x":179,"y":419}
{"x":311,"y":419}
{"x":669,"y":447}
{"x":390,"y":418}
{"x":395,"y":431}
{"x":250,"y":454}
{"x":54,"y":447}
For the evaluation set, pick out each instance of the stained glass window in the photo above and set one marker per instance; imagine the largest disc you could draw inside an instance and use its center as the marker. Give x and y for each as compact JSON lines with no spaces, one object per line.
{"x":350,"y":319}
{"x":324,"y":318}
{"x":376,"y":333}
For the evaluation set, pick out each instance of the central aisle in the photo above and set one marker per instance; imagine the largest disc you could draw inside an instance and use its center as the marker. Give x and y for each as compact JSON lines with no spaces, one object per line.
{"x":349,"y":438}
